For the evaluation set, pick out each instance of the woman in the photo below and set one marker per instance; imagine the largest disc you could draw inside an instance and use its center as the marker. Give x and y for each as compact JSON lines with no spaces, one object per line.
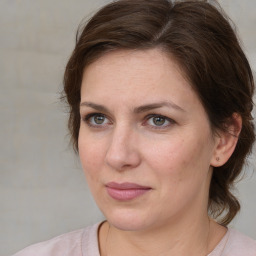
{"x":160,"y":98}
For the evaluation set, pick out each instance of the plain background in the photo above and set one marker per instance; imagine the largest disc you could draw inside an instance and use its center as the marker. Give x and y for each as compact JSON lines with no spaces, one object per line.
{"x":43,"y":192}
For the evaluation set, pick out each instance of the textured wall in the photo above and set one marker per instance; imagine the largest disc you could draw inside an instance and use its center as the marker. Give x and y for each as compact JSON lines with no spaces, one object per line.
{"x":42,"y":189}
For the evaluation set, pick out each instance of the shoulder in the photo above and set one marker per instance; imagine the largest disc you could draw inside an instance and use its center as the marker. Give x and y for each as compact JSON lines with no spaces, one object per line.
{"x":69,"y":244}
{"x":239,"y":244}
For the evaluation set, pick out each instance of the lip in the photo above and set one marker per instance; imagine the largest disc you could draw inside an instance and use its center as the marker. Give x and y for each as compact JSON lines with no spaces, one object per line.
{"x":126,"y":191}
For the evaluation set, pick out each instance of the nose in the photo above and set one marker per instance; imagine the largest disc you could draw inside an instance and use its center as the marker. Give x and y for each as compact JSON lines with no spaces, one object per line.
{"x":123,"y":153}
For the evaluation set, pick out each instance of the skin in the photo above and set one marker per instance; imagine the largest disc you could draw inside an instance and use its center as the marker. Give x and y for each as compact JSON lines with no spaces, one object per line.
{"x":174,"y":158}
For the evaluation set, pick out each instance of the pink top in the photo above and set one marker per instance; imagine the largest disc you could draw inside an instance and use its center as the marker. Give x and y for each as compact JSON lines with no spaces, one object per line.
{"x":84,"y":242}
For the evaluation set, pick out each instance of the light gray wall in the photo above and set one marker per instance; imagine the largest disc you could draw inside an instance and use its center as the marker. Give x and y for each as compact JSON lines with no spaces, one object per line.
{"x":42,"y":188}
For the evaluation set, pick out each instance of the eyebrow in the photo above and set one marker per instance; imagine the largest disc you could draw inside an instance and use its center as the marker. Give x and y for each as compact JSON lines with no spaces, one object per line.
{"x":148,"y":107}
{"x":97,"y":107}
{"x":137,"y":110}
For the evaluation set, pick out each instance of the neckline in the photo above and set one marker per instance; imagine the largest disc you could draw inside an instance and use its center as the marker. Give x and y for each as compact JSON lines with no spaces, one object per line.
{"x":219,"y":248}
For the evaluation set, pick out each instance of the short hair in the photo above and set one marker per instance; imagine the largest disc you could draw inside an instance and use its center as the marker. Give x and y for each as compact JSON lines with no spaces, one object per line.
{"x":198,"y":35}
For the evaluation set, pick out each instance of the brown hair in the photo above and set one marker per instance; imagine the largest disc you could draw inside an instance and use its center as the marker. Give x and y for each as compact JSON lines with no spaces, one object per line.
{"x":198,"y":35}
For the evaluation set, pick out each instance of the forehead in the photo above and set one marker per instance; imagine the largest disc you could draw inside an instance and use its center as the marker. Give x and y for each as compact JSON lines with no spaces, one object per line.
{"x":136,"y":64}
{"x":136,"y":75}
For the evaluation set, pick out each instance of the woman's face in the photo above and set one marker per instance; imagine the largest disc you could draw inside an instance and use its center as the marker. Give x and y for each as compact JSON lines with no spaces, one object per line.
{"x":145,"y":141}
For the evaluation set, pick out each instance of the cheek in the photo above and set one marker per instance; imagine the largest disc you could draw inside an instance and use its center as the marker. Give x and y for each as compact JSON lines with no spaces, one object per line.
{"x":167,"y":155}
{"x":90,"y":154}
{"x":178,"y":157}
{"x":181,"y":170}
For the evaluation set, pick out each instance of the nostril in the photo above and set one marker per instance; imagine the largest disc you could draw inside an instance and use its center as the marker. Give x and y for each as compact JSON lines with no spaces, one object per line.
{"x":123,"y":152}
{"x":122,"y":158}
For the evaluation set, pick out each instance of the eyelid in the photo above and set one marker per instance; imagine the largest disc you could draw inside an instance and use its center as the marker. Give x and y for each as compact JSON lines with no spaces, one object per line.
{"x":87,"y":117}
{"x":148,"y":117}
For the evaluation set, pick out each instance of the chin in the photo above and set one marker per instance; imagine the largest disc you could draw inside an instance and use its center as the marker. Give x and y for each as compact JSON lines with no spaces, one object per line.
{"x":128,"y":220}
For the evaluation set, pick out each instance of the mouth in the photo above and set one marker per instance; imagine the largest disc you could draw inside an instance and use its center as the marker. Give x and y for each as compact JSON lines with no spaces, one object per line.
{"x":126,"y":191}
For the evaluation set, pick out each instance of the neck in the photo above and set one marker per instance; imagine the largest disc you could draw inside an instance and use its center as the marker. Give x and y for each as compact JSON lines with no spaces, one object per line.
{"x":176,"y":238}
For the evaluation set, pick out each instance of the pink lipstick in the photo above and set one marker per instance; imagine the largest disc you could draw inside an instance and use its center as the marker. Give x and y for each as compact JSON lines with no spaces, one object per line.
{"x":125,"y":191}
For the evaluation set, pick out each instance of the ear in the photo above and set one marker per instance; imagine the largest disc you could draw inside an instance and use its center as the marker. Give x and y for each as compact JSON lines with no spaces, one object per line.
{"x":225,"y":141}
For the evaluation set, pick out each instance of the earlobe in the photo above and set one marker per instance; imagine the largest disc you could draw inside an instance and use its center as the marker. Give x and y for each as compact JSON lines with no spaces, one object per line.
{"x":226,"y":141}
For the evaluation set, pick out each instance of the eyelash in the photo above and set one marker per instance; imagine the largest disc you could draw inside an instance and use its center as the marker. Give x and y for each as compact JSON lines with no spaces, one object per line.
{"x":170,"y":121}
{"x":91,"y":115}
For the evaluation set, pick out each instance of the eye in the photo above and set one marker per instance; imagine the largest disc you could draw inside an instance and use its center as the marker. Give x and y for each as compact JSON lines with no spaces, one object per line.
{"x":96,"y":120}
{"x":158,"y":121}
